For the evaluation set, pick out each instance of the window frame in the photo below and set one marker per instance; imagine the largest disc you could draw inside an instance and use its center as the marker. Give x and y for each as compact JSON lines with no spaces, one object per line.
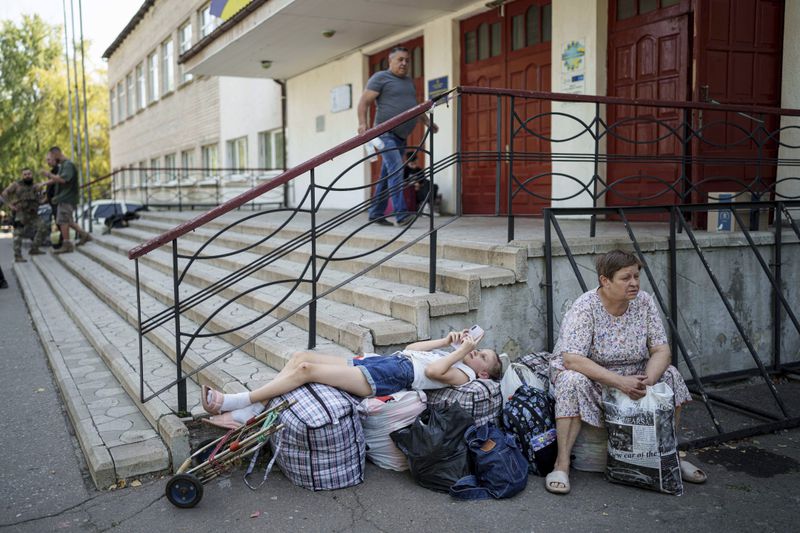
{"x":184,"y":44}
{"x":167,"y":66}
{"x":141,"y":87}
{"x":153,"y":87}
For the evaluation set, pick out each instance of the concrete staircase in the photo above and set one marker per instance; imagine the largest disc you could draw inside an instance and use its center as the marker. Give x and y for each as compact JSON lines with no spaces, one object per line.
{"x":84,"y":306}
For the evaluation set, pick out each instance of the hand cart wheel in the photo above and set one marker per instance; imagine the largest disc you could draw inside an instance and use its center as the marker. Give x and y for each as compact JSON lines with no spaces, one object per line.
{"x":184,"y":490}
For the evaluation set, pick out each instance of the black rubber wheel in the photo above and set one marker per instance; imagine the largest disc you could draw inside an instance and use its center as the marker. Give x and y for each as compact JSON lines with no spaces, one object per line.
{"x":184,"y":491}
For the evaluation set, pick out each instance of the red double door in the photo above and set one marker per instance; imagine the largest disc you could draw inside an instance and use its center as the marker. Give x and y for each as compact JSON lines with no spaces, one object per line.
{"x":737,"y":52}
{"x":506,"y":47}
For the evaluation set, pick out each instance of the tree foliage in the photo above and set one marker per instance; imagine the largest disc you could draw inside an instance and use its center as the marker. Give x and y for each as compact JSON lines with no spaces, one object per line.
{"x":34,"y":101}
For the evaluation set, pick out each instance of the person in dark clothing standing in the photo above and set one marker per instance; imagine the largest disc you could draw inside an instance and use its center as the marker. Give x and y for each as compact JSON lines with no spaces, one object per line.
{"x":393,"y":92}
{"x":24,"y":201}
{"x":67,"y":198}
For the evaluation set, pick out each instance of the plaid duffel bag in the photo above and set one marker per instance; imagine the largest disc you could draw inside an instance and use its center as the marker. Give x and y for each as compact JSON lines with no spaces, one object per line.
{"x":322,"y":446}
{"x":481,"y":398}
{"x":539,"y":363}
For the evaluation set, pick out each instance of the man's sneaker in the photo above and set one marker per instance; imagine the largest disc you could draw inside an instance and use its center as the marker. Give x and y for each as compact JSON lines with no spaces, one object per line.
{"x":66,"y":248}
{"x":380,"y":221}
{"x":85,"y":237}
{"x":20,"y":259}
{"x":35,"y":251}
{"x":405,"y":222}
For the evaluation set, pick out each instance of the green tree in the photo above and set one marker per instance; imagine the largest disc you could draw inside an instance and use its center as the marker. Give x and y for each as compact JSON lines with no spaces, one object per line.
{"x":34,"y":107}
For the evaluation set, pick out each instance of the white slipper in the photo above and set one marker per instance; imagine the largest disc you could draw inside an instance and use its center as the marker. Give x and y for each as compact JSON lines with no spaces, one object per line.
{"x":691,"y":473}
{"x":557,"y":476}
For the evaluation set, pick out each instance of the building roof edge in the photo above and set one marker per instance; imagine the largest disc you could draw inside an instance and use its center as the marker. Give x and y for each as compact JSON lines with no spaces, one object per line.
{"x":135,"y":20}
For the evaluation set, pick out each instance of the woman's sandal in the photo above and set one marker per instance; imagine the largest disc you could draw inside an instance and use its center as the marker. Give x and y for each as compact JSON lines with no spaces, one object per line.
{"x":553,"y":479}
{"x":213,"y":407}
{"x":225,"y":421}
{"x":691,"y":473}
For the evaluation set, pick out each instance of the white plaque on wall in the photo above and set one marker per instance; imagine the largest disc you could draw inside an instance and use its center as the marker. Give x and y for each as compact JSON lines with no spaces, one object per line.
{"x":341,"y":98}
{"x":573,"y":68}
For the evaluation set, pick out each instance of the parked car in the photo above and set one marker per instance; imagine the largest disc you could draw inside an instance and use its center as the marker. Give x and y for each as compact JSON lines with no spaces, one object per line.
{"x":104,"y":209}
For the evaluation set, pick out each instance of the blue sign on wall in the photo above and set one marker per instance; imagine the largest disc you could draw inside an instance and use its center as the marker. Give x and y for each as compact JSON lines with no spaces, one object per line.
{"x":437,"y":86}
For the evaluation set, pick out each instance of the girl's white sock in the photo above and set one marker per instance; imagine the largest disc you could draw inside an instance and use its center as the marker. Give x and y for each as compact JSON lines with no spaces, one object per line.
{"x":231,"y":402}
{"x":246,"y":413}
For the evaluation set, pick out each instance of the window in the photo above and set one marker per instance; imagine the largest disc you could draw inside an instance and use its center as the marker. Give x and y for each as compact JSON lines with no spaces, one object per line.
{"x":120,"y":101}
{"x":154,"y":170}
{"x":112,"y":115}
{"x":187,"y":162}
{"x":167,"y":67}
{"x":483,"y":41}
{"x":416,"y":62}
{"x":270,"y":149}
{"x":470,"y":47}
{"x":169,"y":167}
{"x":631,"y":8}
{"x":131,"y":107}
{"x":184,"y":43}
{"x":206,"y":20}
{"x":237,"y":153}
{"x":140,"y":87}
{"x":152,"y":77}
{"x":210,"y":157}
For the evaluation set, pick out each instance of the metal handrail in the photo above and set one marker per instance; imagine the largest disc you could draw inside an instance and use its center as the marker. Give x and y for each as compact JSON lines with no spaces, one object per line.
{"x":282,"y":179}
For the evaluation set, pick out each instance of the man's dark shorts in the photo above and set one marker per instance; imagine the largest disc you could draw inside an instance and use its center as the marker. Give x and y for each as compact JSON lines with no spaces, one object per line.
{"x":386,"y":374}
{"x":64,"y":213}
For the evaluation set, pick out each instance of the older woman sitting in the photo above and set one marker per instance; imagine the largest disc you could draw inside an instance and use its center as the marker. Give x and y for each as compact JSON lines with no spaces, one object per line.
{"x":612,"y":336}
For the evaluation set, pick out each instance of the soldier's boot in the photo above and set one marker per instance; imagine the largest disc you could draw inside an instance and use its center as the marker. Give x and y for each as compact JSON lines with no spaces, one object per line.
{"x":66,"y":248}
{"x":84,"y":238}
{"x":20,"y":259}
{"x":35,"y":251}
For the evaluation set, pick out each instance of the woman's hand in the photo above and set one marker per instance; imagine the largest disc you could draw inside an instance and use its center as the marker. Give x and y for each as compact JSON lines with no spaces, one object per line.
{"x":634,"y":386}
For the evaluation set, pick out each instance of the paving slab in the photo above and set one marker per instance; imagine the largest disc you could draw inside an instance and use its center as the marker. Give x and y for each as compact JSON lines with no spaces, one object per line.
{"x":102,"y":414}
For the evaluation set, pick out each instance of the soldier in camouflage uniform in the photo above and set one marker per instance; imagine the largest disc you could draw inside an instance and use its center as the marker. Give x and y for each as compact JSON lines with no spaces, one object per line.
{"x":24,"y":201}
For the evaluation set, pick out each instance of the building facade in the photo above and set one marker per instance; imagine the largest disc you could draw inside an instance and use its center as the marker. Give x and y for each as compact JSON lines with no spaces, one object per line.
{"x":210,"y":136}
{"x":670,"y":50}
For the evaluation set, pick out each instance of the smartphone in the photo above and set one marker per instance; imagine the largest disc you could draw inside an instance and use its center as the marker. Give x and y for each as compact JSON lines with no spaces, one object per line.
{"x":476,"y":332}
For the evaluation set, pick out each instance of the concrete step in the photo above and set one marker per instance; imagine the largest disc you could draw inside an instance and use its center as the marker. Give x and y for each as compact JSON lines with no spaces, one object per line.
{"x":117,"y":439}
{"x":236,"y":372}
{"x":461,"y":278}
{"x":508,"y":256}
{"x":118,"y":344}
{"x":409,"y":303}
{"x":272,"y":348}
{"x":356,"y":329}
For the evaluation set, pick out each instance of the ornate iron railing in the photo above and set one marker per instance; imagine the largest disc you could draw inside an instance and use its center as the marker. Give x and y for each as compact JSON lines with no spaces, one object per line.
{"x":684,"y":169}
{"x":316,"y":194}
{"x":666,"y":295}
{"x":603,"y":151}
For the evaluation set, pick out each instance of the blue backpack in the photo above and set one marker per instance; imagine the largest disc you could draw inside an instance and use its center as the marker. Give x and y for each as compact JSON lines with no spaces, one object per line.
{"x":500,"y":470}
{"x":530,"y":416}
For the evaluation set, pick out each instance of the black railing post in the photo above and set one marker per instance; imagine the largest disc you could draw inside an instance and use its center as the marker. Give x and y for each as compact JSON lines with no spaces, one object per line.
{"x":312,"y":308}
{"x":509,"y":194}
{"x":673,"y":284}
{"x":139,"y":330}
{"x":460,"y":152}
{"x":431,"y":201}
{"x":776,"y":301}
{"x":548,"y":281}
{"x":146,"y":190}
{"x":596,"y":174}
{"x":178,"y":352}
{"x":686,"y":146}
{"x":498,"y":170}
{"x":180,"y":193}
{"x":216,"y":184}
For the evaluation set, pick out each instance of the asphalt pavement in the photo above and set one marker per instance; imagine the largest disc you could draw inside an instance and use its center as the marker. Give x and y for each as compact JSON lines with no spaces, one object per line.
{"x":44,"y":485}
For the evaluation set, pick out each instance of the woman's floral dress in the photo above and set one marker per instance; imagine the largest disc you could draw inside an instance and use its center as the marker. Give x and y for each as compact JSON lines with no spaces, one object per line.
{"x":618,"y":343}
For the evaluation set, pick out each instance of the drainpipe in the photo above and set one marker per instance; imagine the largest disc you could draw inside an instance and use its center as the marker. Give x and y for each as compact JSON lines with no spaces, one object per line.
{"x":282,"y":84}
